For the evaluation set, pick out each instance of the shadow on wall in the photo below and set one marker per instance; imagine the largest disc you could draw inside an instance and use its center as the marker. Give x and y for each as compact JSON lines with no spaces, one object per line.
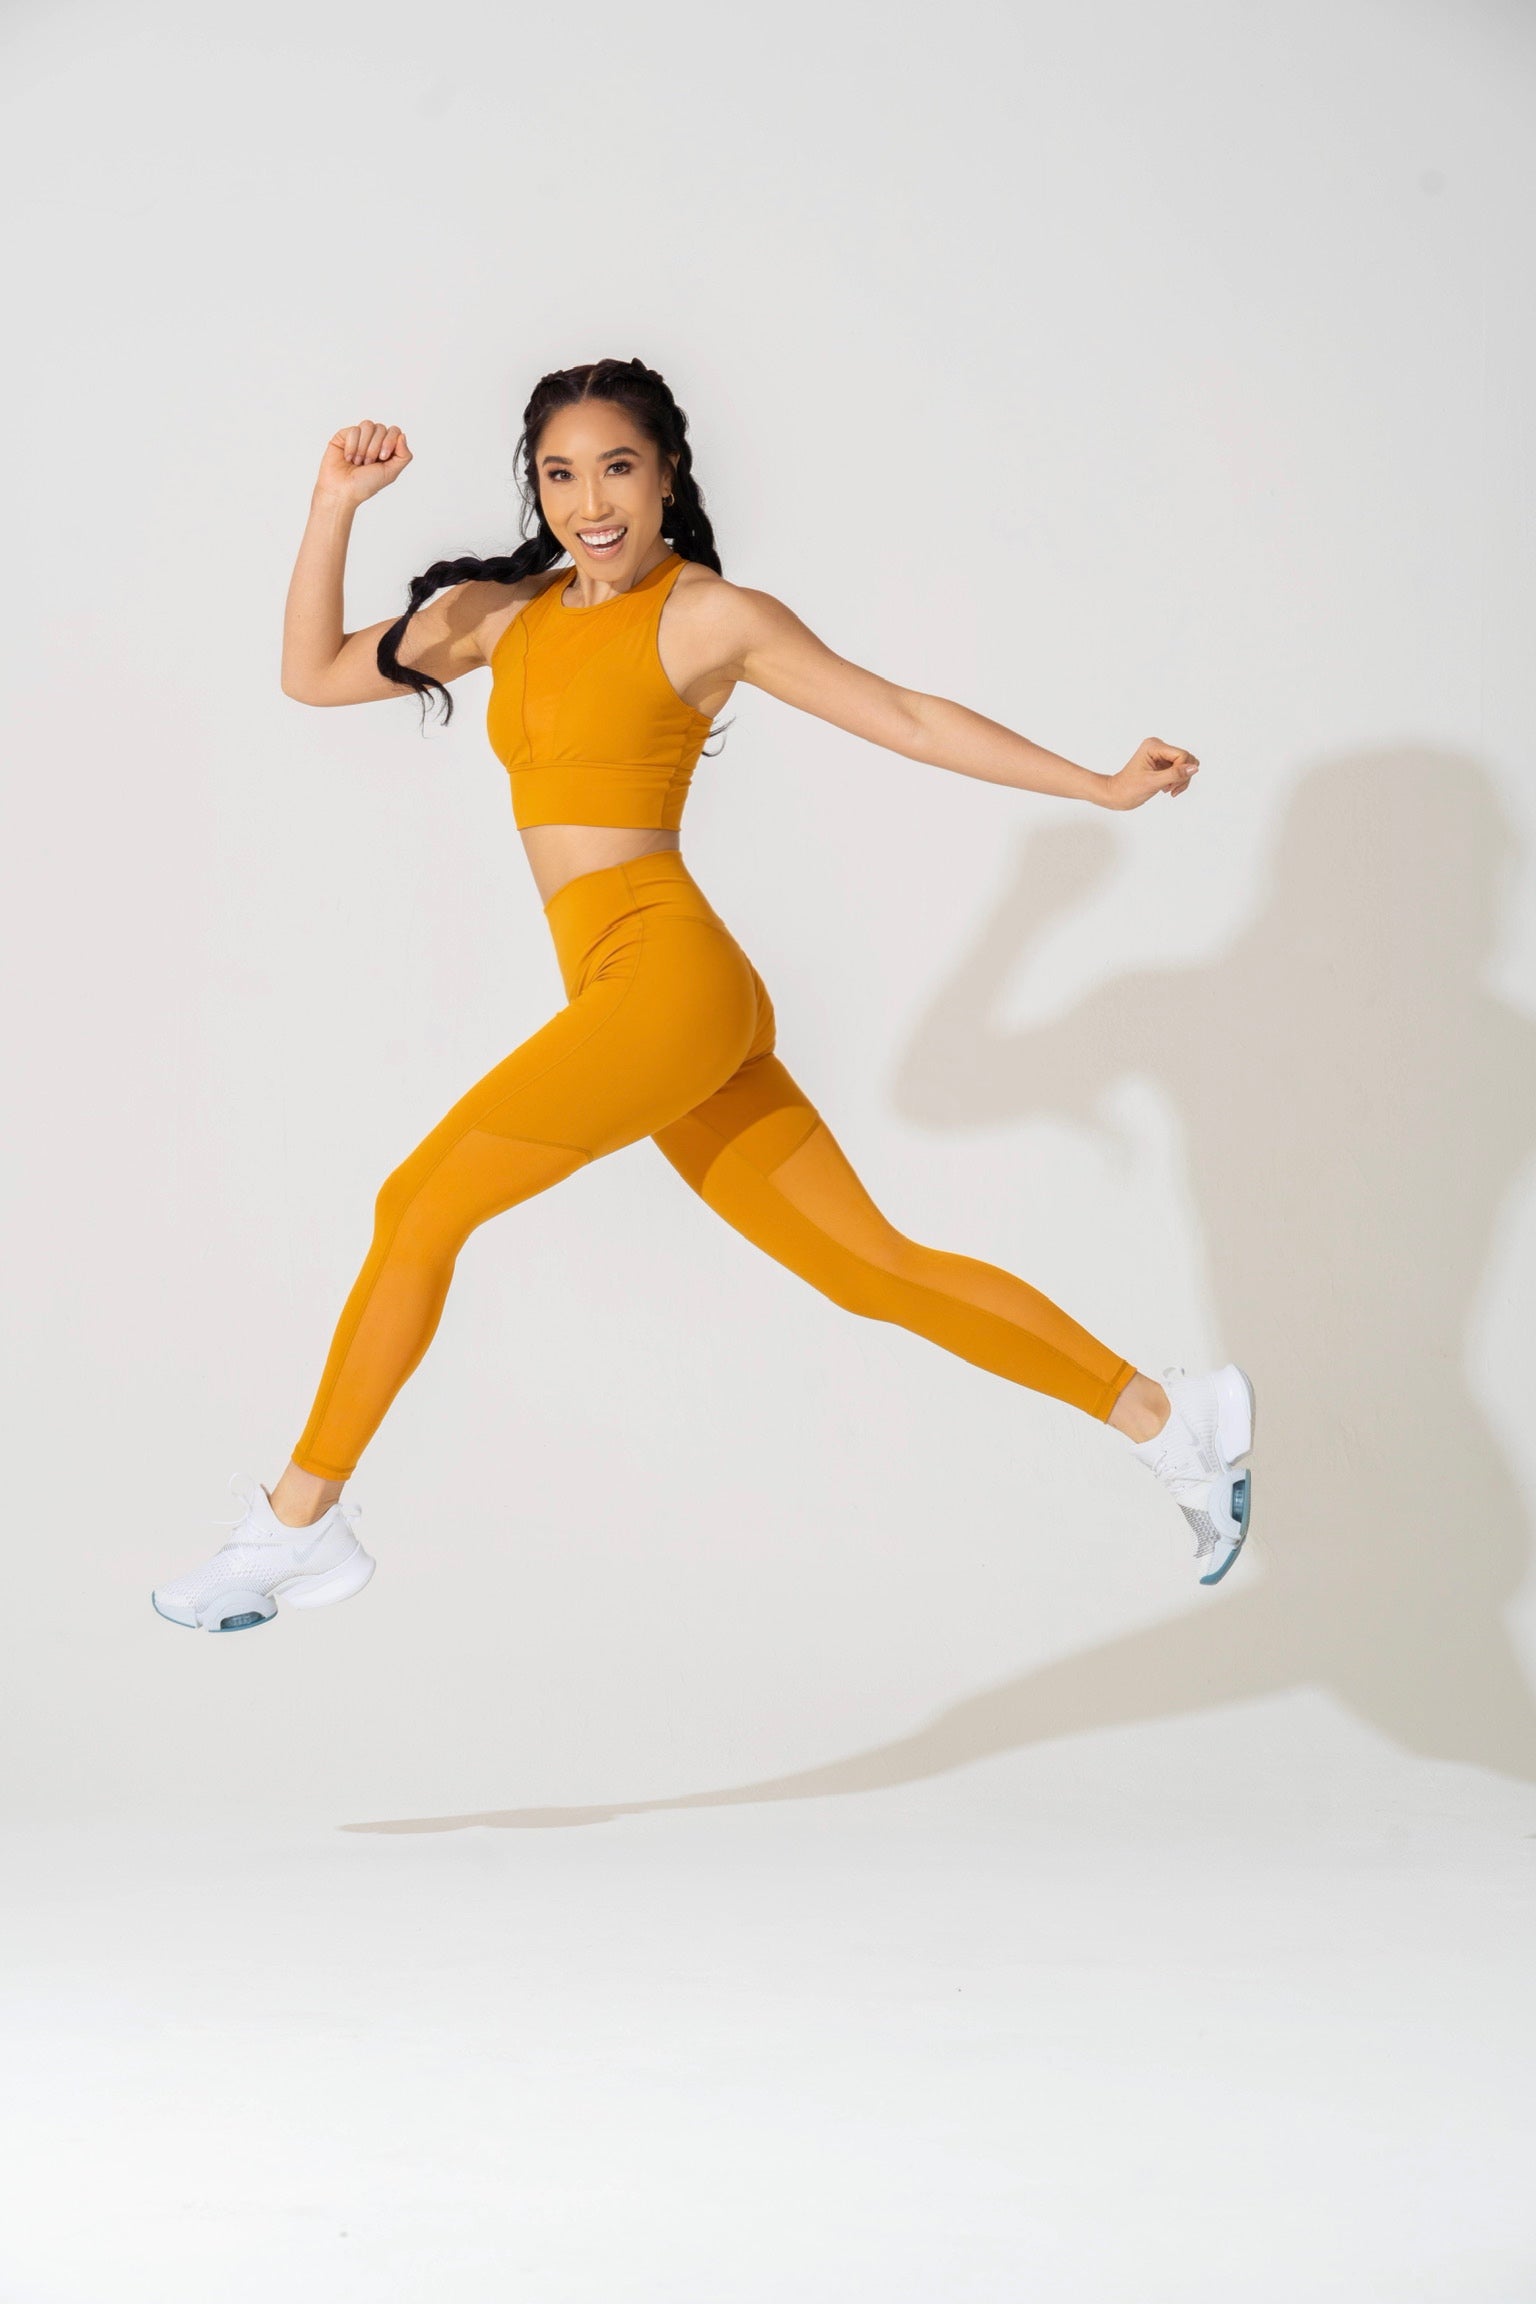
{"x":1357,"y":1107}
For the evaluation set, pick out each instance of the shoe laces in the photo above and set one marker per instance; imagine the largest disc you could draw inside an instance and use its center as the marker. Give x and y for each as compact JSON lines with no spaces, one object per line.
{"x":1175,"y":1435}
{"x":351,"y":1513}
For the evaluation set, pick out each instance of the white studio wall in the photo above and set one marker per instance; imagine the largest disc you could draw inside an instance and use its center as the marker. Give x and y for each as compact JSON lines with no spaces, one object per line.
{"x":1116,"y":373}
{"x":783,"y":1821}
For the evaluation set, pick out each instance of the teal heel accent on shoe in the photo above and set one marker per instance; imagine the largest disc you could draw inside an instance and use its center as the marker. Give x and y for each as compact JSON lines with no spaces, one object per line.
{"x":1242,"y":1493}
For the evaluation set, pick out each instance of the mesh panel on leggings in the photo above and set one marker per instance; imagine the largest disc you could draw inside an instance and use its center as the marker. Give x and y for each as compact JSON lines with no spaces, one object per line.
{"x":761,"y":1156}
{"x":424,"y":1214}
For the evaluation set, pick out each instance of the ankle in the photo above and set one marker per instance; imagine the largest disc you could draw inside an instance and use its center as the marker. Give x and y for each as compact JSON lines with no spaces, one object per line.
{"x":1141,"y":1410}
{"x":301,"y":1498}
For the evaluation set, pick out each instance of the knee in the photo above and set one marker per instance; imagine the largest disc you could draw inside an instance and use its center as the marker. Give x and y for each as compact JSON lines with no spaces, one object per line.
{"x":393,"y":1197}
{"x":882,"y":1269}
{"x":403,"y":1203}
{"x":414,"y":1227}
{"x":867,"y":1278}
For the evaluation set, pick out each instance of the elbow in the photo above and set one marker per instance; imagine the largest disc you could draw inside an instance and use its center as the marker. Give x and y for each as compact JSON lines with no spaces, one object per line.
{"x":916,"y":735}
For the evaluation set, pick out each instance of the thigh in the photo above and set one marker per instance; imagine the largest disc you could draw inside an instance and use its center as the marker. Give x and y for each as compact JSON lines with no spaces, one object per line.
{"x":640,"y":1044}
{"x":759,"y":1116}
{"x":760,"y":1154}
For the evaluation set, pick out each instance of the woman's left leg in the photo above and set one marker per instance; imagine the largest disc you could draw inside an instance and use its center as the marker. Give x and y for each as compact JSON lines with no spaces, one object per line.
{"x":759,"y":1153}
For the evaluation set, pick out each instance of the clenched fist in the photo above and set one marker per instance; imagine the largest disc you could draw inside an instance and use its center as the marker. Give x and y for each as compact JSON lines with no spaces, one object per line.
{"x":1153,"y":767}
{"x":361,"y":459}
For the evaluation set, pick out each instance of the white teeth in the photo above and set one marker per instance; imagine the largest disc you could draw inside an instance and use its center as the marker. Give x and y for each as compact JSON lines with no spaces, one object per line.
{"x":600,"y":535}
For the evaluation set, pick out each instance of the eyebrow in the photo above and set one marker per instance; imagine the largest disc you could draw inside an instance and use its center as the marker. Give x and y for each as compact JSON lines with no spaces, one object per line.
{"x":603,"y":459}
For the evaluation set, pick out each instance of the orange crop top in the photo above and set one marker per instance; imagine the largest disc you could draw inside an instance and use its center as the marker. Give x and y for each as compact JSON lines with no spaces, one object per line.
{"x":583,"y":718}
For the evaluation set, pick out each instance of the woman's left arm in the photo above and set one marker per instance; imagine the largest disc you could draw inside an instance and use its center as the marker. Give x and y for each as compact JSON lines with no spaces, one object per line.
{"x":768,"y":646}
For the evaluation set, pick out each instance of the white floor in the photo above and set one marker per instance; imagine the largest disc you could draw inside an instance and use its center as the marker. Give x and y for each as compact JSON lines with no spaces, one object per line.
{"x":1237,"y":2007}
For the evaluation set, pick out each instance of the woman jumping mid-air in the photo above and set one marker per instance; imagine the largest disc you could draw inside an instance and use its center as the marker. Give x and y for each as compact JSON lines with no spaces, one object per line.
{"x":606,"y":676}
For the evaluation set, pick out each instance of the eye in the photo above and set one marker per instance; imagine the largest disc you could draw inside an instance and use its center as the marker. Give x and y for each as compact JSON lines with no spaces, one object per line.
{"x":621,"y":464}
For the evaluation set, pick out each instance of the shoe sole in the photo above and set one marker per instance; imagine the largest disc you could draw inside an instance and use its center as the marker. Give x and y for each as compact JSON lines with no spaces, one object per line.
{"x":242,"y":1611}
{"x":1235,"y":1424}
{"x":337,"y":1583}
{"x":1240,"y":1504}
{"x":1234,"y":1413}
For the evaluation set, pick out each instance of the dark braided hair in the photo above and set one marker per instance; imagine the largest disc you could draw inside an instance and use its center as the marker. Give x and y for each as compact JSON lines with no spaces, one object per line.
{"x":644,"y":396}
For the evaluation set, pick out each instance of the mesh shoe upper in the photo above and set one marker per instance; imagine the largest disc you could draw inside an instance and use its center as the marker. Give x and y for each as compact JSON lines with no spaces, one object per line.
{"x":1186,"y":1457}
{"x":261,"y":1553}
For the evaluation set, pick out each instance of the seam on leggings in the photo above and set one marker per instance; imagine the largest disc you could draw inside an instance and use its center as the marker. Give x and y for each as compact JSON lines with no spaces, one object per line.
{"x":943,"y":1296}
{"x":545,"y":1143}
{"x":1055,"y":1352}
{"x":322,"y":1404}
{"x":323,"y":1400}
{"x":1113,"y":1387}
{"x":708,"y":919}
{"x":805,"y":1138}
{"x":720,"y":929}
{"x":556,"y":1061}
{"x":729,"y":1143}
{"x":553,"y":1065}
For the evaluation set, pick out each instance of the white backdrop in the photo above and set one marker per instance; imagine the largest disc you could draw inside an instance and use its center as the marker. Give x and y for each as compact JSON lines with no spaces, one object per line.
{"x":1117,"y":372}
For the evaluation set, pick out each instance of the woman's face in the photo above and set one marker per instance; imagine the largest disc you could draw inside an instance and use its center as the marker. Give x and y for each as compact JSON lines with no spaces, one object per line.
{"x":601,"y":484}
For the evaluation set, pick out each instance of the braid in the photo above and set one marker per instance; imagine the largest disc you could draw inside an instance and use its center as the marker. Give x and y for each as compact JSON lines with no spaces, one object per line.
{"x":645,"y":395}
{"x":506,"y":568}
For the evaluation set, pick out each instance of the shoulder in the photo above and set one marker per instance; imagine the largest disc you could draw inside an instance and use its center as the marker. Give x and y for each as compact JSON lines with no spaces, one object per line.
{"x":706,"y":586}
{"x":733,"y":615}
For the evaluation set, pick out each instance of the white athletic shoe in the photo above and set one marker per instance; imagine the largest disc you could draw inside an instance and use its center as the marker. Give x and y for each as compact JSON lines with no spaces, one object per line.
{"x":1209,"y":1427}
{"x":239,"y":1586}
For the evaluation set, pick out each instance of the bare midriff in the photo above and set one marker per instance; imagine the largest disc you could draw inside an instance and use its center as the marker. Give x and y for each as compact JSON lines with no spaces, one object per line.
{"x":561,"y":852}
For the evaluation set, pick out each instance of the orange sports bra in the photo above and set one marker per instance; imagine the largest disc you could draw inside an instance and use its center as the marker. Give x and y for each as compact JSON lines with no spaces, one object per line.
{"x":583,"y":718}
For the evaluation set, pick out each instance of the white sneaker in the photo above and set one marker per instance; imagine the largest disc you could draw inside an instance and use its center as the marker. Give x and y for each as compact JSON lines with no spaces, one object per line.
{"x":239,"y":1586}
{"x":1210,"y":1425}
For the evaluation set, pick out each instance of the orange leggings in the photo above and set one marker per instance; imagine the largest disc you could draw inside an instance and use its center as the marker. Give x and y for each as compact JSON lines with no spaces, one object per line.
{"x":668,"y":1032}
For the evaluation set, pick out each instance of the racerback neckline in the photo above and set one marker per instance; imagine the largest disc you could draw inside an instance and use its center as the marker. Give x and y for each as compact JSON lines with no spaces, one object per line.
{"x":641,"y":584}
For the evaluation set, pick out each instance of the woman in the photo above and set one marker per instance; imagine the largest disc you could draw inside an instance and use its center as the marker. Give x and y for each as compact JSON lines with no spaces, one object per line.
{"x":606,"y":677}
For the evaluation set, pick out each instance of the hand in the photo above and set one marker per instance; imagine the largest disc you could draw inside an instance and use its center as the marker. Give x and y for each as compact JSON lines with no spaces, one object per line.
{"x":361,"y":459}
{"x":1153,"y":767}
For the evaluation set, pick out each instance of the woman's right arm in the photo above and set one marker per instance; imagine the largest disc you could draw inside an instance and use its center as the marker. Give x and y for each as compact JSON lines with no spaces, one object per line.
{"x":322,"y":662}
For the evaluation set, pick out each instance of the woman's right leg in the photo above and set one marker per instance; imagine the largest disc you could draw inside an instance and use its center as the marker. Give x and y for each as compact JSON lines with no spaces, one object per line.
{"x":456,"y":1178}
{"x":662,"y":1010}
{"x":463,"y":1173}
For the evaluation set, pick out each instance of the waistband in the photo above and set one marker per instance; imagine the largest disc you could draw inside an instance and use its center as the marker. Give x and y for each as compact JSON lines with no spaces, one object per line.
{"x":651,"y":871}
{"x":585,"y":907}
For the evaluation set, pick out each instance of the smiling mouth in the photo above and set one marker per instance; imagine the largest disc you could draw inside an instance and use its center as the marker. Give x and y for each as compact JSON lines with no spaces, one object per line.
{"x":602,"y":543}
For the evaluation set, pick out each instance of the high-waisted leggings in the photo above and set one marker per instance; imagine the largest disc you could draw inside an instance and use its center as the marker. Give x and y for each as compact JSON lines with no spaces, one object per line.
{"x":668,"y":1032}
